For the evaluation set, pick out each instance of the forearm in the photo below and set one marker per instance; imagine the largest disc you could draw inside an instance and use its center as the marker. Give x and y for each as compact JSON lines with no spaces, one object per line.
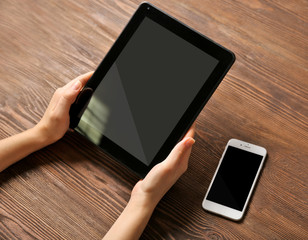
{"x":16,"y":147}
{"x":51,"y":127}
{"x":132,"y":221}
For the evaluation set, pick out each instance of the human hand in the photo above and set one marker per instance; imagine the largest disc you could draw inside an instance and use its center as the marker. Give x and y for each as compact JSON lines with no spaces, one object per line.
{"x":56,"y":119}
{"x":161,"y":178}
{"x":148,"y":192}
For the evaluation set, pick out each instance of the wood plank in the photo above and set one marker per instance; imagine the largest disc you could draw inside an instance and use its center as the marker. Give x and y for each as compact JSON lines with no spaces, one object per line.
{"x":72,"y":190}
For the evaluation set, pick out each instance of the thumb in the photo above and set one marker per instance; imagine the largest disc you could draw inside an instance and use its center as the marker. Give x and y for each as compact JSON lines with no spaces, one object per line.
{"x":71,"y":91}
{"x":68,"y":96}
{"x":179,"y":156}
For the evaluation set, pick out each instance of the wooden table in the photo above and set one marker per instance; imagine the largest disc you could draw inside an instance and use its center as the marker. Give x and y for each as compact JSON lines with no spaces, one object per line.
{"x":72,"y":190}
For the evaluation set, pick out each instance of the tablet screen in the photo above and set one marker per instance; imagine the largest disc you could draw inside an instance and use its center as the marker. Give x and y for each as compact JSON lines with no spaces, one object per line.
{"x":146,"y":91}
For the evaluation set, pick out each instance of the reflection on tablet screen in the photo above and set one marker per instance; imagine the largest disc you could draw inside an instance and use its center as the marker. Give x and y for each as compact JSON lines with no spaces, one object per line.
{"x":146,"y":91}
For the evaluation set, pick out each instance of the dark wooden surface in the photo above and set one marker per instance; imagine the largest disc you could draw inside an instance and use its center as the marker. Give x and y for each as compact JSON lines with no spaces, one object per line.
{"x":72,"y":190}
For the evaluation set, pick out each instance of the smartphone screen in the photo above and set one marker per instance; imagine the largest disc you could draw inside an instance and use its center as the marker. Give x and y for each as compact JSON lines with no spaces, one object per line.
{"x":235,"y":178}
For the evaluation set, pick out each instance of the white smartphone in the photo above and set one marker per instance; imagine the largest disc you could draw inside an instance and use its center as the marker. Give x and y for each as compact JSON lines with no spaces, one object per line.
{"x":234,"y":179}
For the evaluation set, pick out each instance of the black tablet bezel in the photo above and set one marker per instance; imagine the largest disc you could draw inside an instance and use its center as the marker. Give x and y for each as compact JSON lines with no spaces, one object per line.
{"x":225,"y":57}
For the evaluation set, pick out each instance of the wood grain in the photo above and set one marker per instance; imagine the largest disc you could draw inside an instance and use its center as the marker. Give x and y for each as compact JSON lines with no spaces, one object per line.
{"x":72,"y":190}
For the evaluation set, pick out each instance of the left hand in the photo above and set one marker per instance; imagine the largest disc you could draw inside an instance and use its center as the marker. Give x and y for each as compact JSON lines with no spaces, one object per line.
{"x":56,"y":119}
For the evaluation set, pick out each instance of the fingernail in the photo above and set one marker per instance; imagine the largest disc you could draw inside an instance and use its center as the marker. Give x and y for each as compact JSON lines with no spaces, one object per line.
{"x":189,"y":142}
{"x":77,"y":85}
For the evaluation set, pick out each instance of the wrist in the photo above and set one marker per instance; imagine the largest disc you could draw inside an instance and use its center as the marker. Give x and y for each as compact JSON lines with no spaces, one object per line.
{"x":133,"y":219}
{"x":42,"y":138}
{"x":143,"y":202}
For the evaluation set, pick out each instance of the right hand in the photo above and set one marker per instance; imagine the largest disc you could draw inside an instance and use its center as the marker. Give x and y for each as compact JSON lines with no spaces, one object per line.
{"x":162,"y":177}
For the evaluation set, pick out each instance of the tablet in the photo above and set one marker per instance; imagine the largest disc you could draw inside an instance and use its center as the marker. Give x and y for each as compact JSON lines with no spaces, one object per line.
{"x":149,"y":89}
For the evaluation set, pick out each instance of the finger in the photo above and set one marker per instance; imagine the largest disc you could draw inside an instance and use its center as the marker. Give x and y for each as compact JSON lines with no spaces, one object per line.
{"x":69,"y":92}
{"x":181,"y":148}
{"x":191,"y":131}
{"x":178,"y":158}
{"x":63,"y":106}
{"x":79,"y":81}
{"x":167,"y":172}
{"x":84,"y":78}
{"x":67,"y":95}
{"x":76,"y":85}
{"x":55,"y":99}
